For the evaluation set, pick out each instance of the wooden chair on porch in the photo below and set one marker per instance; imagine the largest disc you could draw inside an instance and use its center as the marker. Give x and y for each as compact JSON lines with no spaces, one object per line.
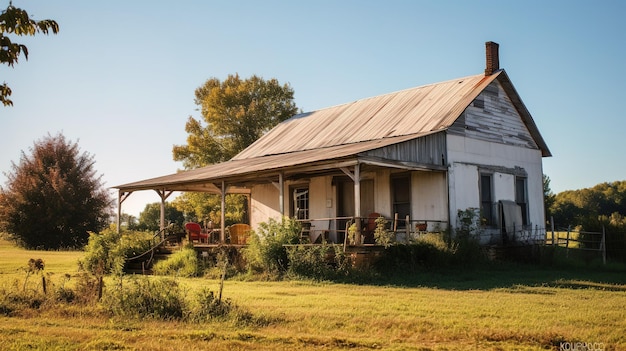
{"x":239,"y":233}
{"x":194,"y":232}
{"x":370,"y":228}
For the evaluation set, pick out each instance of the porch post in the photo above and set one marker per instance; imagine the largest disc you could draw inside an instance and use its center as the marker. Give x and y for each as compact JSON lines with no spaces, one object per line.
{"x":357,"y":202}
{"x":223,"y":214}
{"x":281,"y":194}
{"x":163,"y":194}
{"x":121,"y":196}
{"x":119,"y":210}
{"x":162,"y":218}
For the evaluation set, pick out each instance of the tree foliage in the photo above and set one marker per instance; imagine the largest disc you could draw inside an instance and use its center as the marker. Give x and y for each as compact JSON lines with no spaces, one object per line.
{"x":53,"y":197}
{"x":235,"y":112}
{"x":548,"y":197}
{"x":591,"y":207}
{"x":150,"y":217}
{"x":16,"y":21}
{"x":203,"y":207}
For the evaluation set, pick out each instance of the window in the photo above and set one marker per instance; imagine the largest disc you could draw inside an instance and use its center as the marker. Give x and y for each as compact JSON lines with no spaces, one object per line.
{"x":521,"y":197}
{"x":486,"y":199}
{"x":401,"y":191}
{"x":300,"y":202}
{"x":479,"y":103}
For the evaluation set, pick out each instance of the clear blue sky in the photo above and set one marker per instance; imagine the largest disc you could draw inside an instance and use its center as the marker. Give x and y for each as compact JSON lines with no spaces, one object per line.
{"x":120,"y":76}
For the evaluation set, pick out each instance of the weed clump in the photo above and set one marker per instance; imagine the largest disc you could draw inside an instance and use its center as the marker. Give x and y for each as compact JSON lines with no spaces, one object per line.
{"x":162,"y":298}
{"x":323,"y":262}
{"x":183,"y":263}
{"x":266,"y":251}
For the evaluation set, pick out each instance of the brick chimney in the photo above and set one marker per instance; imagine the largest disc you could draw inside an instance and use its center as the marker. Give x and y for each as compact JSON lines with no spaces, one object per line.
{"x":493,"y":61}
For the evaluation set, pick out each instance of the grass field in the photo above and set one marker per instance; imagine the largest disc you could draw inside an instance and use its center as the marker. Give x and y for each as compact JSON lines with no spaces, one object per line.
{"x":498,"y":307}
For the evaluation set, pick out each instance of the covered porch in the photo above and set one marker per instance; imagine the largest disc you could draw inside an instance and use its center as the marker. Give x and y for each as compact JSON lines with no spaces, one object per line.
{"x":325,"y":189}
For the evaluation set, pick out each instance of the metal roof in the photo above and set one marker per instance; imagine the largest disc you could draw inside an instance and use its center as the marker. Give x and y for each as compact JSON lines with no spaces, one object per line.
{"x":202,"y":179}
{"x":346,"y":130}
{"x":417,"y":110}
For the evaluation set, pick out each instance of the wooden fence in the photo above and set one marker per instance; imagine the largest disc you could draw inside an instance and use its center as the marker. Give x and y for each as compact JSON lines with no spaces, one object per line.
{"x":578,"y":240}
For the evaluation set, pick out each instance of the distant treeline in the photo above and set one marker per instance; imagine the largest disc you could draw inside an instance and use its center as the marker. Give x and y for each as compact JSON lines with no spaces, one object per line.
{"x":590,"y":209}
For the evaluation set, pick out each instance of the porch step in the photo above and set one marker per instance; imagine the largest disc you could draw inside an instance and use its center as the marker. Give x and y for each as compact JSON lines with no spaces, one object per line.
{"x":142,"y":264}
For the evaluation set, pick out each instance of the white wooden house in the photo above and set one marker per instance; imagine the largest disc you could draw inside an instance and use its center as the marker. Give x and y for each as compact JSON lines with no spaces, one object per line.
{"x":426,"y":153}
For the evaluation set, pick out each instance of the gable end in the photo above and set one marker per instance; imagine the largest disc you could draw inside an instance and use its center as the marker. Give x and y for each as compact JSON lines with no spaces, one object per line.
{"x":493,"y":117}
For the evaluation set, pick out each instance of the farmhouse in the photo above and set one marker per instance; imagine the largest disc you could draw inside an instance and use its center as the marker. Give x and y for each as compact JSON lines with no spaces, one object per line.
{"x":423,"y":158}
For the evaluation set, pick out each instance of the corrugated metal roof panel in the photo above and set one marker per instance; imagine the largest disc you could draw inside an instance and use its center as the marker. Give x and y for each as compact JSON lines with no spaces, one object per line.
{"x":271,"y":163}
{"x":417,"y":110}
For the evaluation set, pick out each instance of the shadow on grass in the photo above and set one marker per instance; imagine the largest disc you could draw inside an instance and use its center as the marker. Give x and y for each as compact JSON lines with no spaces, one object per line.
{"x":505,"y":275}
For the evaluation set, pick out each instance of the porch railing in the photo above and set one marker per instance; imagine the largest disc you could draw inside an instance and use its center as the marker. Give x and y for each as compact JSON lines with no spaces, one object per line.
{"x":335,"y":229}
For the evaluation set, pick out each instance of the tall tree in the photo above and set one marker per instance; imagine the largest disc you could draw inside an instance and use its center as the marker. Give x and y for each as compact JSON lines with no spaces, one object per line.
{"x":548,"y":197}
{"x":15,"y":21}
{"x":236,"y":112}
{"x":53,"y":197}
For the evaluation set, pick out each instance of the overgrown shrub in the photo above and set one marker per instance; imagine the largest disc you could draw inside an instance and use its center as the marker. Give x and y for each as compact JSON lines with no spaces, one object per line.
{"x":107,"y":251}
{"x":183,"y":263}
{"x":162,"y":298}
{"x":207,"y":306}
{"x":382,"y":236}
{"x":88,"y":288}
{"x":466,"y":250}
{"x":45,"y":293}
{"x":425,"y":252}
{"x":323,"y":262}
{"x":430,"y":251}
{"x":139,"y":297}
{"x":266,"y":252}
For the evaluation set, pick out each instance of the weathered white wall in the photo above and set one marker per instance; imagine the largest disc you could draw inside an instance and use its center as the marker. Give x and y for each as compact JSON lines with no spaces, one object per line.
{"x":382,"y":190}
{"x":463,"y":188}
{"x":468,"y":156}
{"x":429,"y":196}
{"x":264,"y":204}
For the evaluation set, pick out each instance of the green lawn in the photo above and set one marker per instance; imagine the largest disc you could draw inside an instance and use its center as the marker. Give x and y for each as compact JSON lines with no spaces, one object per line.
{"x":497,"y":307}
{"x":13,"y":260}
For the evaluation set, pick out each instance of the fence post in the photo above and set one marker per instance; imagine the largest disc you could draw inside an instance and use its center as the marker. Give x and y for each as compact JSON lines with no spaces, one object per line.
{"x":567,"y":241}
{"x":408,"y":228}
{"x":552,"y":225}
{"x":603,"y":246}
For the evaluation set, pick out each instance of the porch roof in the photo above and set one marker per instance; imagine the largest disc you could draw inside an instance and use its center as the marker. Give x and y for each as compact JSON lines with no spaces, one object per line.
{"x":258,"y":169}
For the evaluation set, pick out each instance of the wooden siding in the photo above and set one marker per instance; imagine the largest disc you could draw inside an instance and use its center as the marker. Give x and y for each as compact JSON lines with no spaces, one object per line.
{"x":493,"y":117}
{"x":430,"y":149}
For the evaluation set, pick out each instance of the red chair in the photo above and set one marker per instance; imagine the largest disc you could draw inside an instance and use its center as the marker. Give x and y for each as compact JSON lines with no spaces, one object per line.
{"x":370,"y":228}
{"x":194,"y":232}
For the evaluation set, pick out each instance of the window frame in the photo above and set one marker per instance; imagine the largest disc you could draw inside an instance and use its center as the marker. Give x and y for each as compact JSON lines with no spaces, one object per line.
{"x":395,"y":203}
{"x":487,"y":215}
{"x":300,"y":213}
{"x":523,"y":202}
